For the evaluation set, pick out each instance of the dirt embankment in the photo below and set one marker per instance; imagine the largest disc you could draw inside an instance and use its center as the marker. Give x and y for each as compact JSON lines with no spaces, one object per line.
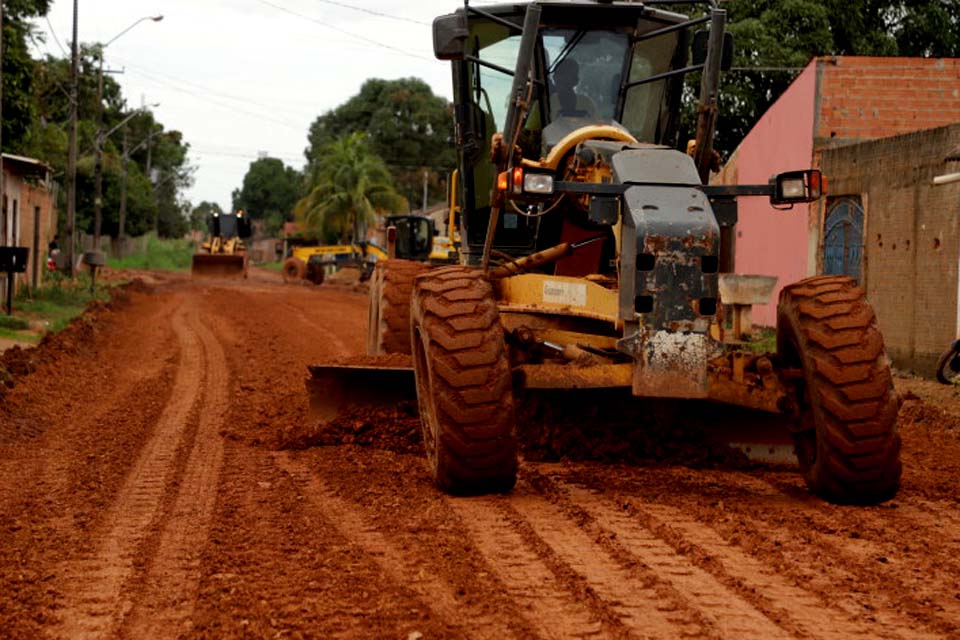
{"x":142,"y":494}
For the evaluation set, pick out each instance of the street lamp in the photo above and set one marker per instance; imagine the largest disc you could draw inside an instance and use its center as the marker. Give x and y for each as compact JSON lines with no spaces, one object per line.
{"x":98,"y":143}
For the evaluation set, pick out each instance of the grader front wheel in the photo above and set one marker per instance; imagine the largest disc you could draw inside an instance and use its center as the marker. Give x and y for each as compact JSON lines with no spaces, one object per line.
{"x":847,"y":439}
{"x":388,"y":326}
{"x":464,"y":386}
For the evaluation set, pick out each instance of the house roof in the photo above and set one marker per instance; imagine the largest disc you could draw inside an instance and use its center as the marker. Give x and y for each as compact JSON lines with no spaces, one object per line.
{"x":27,"y":164}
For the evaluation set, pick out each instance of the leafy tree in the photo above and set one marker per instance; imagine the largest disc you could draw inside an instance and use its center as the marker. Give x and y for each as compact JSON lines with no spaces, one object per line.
{"x":270,"y":190}
{"x":348,"y":187}
{"x":776,"y":38}
{"x":408,"y":126}
{"x":19,"y":108}
{"x":201,"y":213}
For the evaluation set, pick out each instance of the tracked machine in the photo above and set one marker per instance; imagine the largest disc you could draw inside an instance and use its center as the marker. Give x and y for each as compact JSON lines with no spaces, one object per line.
{"x":590,"y":254}
{"x":223,"y":254}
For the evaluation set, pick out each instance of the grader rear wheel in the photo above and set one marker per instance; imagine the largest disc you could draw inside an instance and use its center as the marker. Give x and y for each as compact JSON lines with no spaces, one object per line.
{"x":847,"y":439}
{"x":464,"y":385}
{"x":388,"y":327}
{"x":293,"y":270}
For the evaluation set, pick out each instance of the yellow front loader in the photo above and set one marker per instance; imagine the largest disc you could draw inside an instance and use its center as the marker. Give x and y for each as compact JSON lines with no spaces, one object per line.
{"x":223,"y":254}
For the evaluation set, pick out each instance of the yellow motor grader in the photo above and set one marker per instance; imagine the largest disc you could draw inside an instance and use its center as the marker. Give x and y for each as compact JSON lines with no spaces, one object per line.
{"x":590,"y":253}
{"x":224,"y":253}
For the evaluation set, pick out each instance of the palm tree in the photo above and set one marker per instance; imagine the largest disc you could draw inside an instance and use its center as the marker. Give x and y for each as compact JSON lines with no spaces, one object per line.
{"x":346,"y":189}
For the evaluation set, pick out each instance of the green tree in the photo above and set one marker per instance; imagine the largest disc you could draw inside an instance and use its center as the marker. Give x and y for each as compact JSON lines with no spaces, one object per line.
{"x":408,"y":126}
{"x":201,"y":213}
{"x":348,"y":187}
{"x":19,"y":107}
{"x":270,"y":190}
{"x":777,"y":38}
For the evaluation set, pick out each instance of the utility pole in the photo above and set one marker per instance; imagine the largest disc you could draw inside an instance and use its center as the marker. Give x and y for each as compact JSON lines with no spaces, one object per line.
{"x":2,"y":176}
{"x":123,"y":196}
{"x":100,"y":138}
{"x":425,"y":190}
{"x":98,"y":163}
{"x":72,"y":156}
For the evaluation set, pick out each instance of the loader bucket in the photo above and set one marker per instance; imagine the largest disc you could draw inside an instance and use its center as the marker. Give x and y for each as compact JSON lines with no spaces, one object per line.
{"x":214,"y":265}
{"x":337,"y":389}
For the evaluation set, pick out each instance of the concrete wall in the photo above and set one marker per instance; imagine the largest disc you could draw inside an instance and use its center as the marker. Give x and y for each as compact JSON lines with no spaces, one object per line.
{"x":771,"y":242}
{"x":863,"y":98}
{"x":912,"y":237}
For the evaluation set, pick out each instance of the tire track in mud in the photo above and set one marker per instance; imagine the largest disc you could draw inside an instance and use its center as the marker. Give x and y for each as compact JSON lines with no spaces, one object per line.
{"x":93,"y":585}
{"x":769,"y":518}
{"x":399,"y":565}
{"x":552,"y":609}
{"x":729,"y":577}
{"x":631,"y":590}
{"x":866,"y":558}
{"x":339,"y":346}
{"x":172,"y":578}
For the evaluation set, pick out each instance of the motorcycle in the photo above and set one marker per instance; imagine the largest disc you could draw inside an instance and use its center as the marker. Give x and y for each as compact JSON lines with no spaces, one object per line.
{"x":948,"y":367}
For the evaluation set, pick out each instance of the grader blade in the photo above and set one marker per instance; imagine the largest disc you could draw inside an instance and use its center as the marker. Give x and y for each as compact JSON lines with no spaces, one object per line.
{"x":335,"y":390}
{"x":213,"y":265}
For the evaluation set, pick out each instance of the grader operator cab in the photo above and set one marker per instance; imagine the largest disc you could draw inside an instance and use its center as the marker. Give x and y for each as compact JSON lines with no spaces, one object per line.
{"x":591,"y":249}
{"x":223,"y":253}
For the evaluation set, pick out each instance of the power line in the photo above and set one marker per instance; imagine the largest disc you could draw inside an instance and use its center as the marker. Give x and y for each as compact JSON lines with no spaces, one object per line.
{"x":374,"y":13}
{"x":229,"y":107}
{"x":343,"y":31}
{"x":255,"y":155}
{"x":206,"y":89}
{"x":55,"y":38}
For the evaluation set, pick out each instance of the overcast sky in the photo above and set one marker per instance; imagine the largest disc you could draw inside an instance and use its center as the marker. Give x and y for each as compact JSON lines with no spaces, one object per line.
{"x":241,"y":77}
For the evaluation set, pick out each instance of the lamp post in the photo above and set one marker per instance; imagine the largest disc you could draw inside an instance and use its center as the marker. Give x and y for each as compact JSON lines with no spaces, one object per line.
{"x":100,"y":138}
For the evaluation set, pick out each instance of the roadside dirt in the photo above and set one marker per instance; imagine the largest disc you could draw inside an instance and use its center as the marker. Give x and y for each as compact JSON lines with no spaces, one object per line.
{"x":143,"y":495}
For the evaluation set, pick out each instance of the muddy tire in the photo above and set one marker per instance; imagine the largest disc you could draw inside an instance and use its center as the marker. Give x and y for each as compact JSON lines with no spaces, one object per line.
{"x":847,"y":439}
{"x":464,"y":385}
{"x":391,"y":284}
{"x":948,"y":367}
{"x":293,"y":270}
{"x":315,"y":273}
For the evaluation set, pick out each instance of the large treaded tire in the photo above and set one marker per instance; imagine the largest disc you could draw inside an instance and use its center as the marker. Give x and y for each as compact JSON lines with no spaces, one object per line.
{"x":293,"y":270}
{"x":388,"y":324}
{"x":464,"y":383}
{"x":948,"y":366}
{"x":847,"y":440}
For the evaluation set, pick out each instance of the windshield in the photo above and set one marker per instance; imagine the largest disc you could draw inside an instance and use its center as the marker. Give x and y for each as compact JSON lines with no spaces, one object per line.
{"x":584,"y":70}
{"x":645,"y":105}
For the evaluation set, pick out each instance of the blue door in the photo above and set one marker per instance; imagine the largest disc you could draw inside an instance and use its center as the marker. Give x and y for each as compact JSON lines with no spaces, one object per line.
{"x":843,"y":238}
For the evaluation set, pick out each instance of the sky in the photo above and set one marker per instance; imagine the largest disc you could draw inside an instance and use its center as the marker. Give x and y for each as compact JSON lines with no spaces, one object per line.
{"x":241,"y":78}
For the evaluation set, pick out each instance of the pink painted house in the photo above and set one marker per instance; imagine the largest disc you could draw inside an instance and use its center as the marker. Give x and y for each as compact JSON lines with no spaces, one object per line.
{"x":834,"y":101}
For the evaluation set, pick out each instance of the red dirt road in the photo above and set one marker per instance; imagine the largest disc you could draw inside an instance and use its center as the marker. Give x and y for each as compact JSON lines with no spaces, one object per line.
{"x":142,"y":495}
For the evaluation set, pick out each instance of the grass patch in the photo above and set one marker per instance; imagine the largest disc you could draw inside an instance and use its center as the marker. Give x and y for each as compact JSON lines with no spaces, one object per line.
{"x":19,"y":336}
{"x":13,"y":323}
{"x":175,"y":254}
{"x":52,"y":306}
{"x":764,"y":340}
{"x":272,"y":266}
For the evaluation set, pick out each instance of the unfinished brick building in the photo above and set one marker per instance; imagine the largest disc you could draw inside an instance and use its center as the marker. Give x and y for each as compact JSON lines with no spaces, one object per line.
{"x":836,"y":102}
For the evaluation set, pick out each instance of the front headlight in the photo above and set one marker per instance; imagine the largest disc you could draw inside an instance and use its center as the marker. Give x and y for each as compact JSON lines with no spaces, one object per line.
{"x":540,"y":183}
{"x":793,"y":189}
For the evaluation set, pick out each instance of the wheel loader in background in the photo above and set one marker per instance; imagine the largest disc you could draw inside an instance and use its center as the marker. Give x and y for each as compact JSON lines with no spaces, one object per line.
{"x":223,"y":254}
{"x":411,"y":237}
{"x":591,"y":249}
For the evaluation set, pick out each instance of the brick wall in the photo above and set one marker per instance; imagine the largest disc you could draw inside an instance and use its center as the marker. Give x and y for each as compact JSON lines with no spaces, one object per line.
{"x":29,"y":196}
{"x":862,"y":98}
{"x":912,"y":237}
